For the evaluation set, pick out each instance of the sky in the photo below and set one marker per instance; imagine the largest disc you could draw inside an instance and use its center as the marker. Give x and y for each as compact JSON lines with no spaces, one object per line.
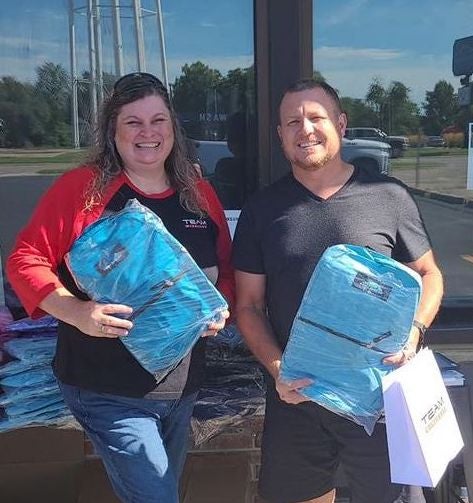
{"x":354,"y":40}
{"x":406,"y":40}
{"x":217,"y":32}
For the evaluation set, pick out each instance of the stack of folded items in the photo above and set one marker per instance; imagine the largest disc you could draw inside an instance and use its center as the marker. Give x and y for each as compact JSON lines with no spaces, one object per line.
{"x":30,"y":394}
{"x":6,"y":319}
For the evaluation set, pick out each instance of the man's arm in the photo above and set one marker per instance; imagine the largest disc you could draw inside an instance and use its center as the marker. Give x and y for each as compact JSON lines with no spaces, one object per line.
{"x":432,"y":287}
{"x":256,"y":330}
{"x":432,"y":292}
{"x":253,"y":322}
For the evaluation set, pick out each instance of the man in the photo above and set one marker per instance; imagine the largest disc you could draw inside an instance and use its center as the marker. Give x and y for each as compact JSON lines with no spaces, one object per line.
{"x":281,"y":234}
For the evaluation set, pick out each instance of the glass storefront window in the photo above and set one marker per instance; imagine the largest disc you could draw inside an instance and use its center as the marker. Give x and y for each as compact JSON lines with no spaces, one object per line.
{"x":204,"y":52}
{"x":214,"y":92}
{"x":392,"y":65}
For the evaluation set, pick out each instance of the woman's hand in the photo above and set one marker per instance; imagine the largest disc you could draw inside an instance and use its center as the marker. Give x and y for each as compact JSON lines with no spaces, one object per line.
{"x":89,"y":317}
{"x":98,"y":320}
{"x":214,"y":327}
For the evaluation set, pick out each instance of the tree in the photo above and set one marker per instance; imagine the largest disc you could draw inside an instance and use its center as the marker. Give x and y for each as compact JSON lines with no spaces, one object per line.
{"x":395,"y":112}
{"x":21,"y":113}
{"x":318,"y":76}
{"x":441,"y":108}
{"x":85,"y":115}
{"x":403,"y":114}
{"x":197,"y":101}
{"x":53,"y":83}
{"x":376,"y":97}
{"x":193,"y":91}
{"x":462,"y":121}
{"x":237,"y":90}
{"x":358,"y":112}
{"x":53,"y":87}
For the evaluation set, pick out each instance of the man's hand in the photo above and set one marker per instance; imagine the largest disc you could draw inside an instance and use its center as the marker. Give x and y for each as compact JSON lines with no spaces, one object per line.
{"x":408,"y":351}
{"x":214,"y":327}
{"x":289,"y":391}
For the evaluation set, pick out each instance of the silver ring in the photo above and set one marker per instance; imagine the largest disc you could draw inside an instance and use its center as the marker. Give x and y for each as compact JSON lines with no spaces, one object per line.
{"x":102,"y":328}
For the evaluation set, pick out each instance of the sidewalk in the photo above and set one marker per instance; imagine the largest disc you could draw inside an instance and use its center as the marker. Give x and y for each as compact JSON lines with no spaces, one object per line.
{"x":461,"y":197}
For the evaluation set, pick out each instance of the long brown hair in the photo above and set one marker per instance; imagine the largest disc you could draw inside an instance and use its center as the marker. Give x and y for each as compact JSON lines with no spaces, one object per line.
{"x":107,"y":161}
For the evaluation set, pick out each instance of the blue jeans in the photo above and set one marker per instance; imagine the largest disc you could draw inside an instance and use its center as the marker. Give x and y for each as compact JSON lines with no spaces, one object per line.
{"x":142,"y":442}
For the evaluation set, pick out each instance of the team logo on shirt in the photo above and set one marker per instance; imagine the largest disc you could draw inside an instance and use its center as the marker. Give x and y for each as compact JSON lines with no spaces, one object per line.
{"x":194,"y":223}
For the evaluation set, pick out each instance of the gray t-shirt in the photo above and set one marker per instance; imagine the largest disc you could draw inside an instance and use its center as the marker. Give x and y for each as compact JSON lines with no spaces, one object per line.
{"x":283,"y":231}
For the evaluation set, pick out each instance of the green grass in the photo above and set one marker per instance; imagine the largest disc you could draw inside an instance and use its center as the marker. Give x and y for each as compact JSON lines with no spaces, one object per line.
{"x":434,"y":151}
{"x":72,"y":156}
{"x":53,"y":171}
{"x":410,"y":165}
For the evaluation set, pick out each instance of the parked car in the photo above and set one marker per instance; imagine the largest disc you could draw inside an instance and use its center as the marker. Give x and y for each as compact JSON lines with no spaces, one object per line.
{"x":370,"y":154}
{"x":226,"y":172}
{"x":209,"y":153}
{"x":373,"y":155}
{"x":399,"y":144}
{"x":435,"y":141}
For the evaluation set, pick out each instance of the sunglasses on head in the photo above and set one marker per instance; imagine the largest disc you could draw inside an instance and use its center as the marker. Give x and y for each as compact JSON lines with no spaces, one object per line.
{"x":137,"y":80}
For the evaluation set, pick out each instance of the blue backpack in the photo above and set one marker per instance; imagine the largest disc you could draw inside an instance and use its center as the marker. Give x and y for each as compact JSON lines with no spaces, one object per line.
{"x":357,"y":309}
{"x":130,"y":258}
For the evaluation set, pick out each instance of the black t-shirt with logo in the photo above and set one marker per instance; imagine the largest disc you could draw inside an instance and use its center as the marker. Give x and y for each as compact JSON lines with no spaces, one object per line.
{"x":105,"y":365}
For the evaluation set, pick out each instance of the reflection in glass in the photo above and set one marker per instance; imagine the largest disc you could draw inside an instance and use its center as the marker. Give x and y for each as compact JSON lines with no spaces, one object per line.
{"x":218,"y":112}
{"x":54,"y":75}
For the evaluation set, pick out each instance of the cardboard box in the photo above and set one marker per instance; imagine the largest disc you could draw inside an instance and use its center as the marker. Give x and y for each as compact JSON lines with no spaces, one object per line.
{"x":41,"y":465}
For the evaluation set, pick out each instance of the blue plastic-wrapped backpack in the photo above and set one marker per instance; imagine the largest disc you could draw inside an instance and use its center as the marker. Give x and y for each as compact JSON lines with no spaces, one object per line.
{"x":357,"y":309}
{"x":130,"y":258}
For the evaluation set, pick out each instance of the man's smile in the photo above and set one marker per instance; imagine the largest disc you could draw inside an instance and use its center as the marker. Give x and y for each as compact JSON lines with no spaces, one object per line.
{"x":309,"y":144}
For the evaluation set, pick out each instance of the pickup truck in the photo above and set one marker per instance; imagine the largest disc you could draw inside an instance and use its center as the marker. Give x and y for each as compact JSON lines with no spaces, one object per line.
{"x":398,"y":144}
{"x":370,"y":154}
{"x":226,"y":172}
{"x":373,"y":155}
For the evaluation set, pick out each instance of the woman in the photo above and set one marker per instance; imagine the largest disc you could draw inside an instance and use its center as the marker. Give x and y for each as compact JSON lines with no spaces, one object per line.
{"x":138,"y":426}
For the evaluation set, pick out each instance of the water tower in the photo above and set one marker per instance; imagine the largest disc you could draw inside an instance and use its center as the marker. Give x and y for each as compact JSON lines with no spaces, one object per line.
{"x":97,"y":14}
